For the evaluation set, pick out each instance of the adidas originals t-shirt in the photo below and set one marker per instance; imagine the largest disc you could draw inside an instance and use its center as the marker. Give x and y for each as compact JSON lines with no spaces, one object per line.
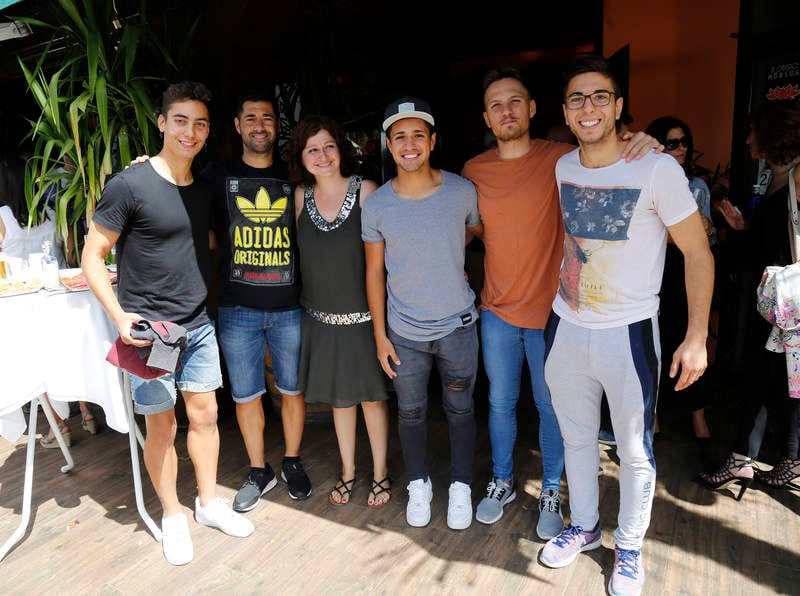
{"x":255,"y":228}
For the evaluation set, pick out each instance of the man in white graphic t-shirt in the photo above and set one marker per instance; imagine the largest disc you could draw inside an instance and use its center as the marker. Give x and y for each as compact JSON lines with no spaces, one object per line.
{"x":603,"y":332}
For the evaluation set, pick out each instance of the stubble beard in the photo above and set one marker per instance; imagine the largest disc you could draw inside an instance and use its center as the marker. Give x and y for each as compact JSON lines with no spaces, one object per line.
{"x":257,"y":149}
{"x":508,"y":135}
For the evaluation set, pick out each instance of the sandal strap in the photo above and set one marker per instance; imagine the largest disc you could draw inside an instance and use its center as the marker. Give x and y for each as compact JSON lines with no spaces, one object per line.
{"x":730,"y":468}
{"x":382,"y":486}
{"x":784,"y":472}
{"x":344,"y":487}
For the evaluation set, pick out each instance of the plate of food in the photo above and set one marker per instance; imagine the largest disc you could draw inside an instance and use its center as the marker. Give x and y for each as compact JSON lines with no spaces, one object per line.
{"x":75,"y":281}
{"x":15,"y":287}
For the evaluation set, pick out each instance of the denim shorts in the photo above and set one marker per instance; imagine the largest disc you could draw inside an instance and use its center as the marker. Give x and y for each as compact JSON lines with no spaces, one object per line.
{"x":198,"y":371}
{"x":244,"y":335}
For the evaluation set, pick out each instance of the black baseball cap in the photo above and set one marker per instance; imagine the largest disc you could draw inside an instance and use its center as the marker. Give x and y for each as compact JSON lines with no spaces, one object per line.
{"x":407,"y":107}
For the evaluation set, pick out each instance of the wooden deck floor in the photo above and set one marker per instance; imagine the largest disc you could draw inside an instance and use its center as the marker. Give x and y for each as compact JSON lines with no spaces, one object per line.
{"x":86,"y":537}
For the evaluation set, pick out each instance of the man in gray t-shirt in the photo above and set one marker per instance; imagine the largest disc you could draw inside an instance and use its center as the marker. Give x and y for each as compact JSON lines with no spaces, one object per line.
{"x":415,"y":229}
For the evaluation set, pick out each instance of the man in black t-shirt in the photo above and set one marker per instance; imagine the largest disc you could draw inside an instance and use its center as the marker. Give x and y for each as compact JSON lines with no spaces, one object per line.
{"x":259,"y":290}
{"x":159,"y":217}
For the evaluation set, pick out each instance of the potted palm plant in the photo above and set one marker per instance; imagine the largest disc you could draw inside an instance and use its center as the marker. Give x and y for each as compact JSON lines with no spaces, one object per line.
{"x":93,"y":86}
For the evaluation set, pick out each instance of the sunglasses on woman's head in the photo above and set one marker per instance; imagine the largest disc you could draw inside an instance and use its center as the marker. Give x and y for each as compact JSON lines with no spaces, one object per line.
{"x":672,"y":144}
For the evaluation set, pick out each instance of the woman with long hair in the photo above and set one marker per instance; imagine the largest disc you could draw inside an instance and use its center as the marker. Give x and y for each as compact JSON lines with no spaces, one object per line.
{"x":775,"y":137}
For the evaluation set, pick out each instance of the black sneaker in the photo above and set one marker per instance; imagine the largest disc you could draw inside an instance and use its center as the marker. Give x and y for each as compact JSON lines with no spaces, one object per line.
{"x":258,"y":482}
{"x":295,"y":477}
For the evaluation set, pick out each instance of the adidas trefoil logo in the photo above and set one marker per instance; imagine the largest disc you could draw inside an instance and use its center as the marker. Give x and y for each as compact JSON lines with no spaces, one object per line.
{"x":264,"y":210}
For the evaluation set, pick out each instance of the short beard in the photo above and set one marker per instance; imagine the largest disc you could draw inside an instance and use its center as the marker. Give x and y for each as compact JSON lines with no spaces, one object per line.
{"x":511,"y":135}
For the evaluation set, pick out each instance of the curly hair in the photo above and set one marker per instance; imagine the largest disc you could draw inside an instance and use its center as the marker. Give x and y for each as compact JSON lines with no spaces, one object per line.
{"x":776,"y":128}
{"x":659,"y":128}
{"x":308,"y":127}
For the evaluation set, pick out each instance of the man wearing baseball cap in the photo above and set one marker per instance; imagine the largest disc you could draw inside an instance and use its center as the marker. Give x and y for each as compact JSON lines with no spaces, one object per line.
{"x":414,"y":229}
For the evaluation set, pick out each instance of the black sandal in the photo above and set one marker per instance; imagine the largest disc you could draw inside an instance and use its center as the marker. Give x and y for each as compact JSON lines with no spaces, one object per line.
{"x":378,"y":488}
{"x":782,"y":475}
{"x":344,"y":488}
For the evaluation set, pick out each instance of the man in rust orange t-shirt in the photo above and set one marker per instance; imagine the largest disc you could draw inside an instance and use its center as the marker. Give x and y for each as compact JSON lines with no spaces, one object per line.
{"x":524,"y":242}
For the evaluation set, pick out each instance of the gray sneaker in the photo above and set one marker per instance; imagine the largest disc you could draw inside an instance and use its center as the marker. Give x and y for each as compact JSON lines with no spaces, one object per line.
{"x":257,"y":483}
{"x":498,"y":494}
{"x":551,"y":521}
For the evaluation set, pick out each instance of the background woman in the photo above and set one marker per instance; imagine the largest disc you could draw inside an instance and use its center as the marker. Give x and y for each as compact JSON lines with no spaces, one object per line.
{"x":17,"y":240}
{"x":676,"y":137}
{"x":775,"y":137}
{"x":337,"y":358}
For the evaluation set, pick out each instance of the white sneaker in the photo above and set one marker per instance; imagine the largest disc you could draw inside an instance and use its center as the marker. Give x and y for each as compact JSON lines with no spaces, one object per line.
{"x":459,"y":509}
{"x":418,"y":510}
{"x":217,"y":514}
{"x":176,"y":540}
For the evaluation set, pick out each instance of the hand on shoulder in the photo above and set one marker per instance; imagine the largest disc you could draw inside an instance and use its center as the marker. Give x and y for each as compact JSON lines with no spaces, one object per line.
{"x":137,"y":160}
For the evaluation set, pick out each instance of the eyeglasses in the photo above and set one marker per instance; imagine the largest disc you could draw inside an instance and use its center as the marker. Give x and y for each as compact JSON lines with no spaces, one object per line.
{"x":599,"y":98}
{"x":672,"y":144}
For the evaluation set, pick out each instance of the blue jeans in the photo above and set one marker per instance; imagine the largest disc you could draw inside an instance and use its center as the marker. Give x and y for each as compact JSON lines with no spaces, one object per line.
{"x":456,"y":356}
{"x":244,"y":334}
{"x":198,"y":371}
{"x":504,"y":346}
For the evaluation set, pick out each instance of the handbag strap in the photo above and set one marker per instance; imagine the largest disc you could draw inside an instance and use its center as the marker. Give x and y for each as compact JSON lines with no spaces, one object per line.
{"x":794,"y":218}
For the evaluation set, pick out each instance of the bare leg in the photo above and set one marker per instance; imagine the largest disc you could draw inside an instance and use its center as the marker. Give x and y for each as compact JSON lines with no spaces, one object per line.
{"x":86,"y":412}
{"x":376,"y":418}
{"x":202,"y":441}
{"x":59,"y":421}
{"x":161,"y":460}
{"x":293,"y":415}
{"x":88,"y":421}
{"x":250,"y":417}
{"x":344,"y":421}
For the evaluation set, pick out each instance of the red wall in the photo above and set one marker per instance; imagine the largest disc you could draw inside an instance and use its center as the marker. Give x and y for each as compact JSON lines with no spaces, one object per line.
{"x":682,"y":63}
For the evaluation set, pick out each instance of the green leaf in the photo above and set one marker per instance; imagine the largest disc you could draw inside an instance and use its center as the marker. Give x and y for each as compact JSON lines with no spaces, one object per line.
{"x":124,"y":147}
{"x":101,"y":99}
{"x":128,"y":45}
{"x":92,"y":58}
{"x":72,"y":12}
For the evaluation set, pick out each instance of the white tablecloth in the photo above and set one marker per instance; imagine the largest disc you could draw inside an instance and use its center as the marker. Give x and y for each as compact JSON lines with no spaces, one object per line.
{"x":56,"y":343}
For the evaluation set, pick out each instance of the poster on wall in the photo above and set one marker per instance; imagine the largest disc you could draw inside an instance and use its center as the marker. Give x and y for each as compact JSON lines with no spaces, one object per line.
{"x":776,"y":77}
